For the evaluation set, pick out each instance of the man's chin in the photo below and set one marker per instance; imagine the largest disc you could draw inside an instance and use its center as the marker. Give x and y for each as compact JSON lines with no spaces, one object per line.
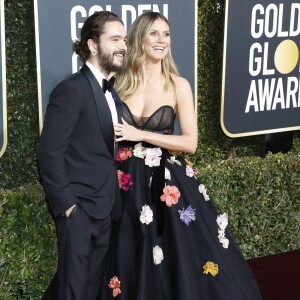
{"x":117,"y":68}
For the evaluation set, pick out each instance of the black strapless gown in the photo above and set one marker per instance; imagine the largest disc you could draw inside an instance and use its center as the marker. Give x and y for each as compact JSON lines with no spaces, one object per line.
{"x":200,"y":257}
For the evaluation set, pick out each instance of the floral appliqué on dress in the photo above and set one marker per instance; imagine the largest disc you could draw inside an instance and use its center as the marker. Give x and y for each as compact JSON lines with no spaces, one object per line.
{"x":123,"y":153}
{"x":189,"y":170}
{"x":124,"y":180}
{"x":158,"y":255}
{"x":115,"y":285}
{"x":203,"y":191}
{"x":222,"y":221}
{"x":172,"y":160}
{"x":170,"y":195}
{"x":152,"y":156}
{"x":187,"y":215}
{"x":146,"y":216}
{"x":211,"y":268}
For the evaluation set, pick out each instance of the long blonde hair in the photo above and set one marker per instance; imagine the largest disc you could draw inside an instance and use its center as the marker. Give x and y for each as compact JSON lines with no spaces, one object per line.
{"x":128,"y":81}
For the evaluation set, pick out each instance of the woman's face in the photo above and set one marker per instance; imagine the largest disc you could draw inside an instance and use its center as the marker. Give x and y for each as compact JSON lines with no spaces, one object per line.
{"x":157,"y":41}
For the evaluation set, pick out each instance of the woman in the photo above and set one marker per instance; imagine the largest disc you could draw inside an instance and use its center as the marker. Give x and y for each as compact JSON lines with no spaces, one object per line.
{"x":171,"y":243}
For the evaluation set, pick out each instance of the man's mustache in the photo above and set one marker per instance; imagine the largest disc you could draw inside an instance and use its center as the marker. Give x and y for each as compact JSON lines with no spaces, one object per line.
{"x":119,"y":52}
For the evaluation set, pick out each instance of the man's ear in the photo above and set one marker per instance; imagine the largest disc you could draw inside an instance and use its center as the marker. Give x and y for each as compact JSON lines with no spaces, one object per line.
{"x":93,"y":47}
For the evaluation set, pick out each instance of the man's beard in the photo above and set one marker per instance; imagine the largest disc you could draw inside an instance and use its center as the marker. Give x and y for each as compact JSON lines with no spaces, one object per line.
{"x":106,"y":62}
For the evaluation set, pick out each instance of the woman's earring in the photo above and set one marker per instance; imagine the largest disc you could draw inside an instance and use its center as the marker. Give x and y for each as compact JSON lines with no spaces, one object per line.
{"x":94,"y":52}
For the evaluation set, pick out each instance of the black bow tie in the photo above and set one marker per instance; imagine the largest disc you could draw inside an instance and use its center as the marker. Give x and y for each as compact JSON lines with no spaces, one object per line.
{"x":107,"y":85}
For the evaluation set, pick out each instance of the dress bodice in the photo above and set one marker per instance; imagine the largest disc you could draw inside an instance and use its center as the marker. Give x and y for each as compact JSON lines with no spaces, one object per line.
{"x":160,"y":121}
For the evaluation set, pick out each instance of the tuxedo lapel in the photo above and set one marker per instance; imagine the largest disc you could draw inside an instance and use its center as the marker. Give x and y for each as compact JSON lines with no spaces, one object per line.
{"x":103,"y":110}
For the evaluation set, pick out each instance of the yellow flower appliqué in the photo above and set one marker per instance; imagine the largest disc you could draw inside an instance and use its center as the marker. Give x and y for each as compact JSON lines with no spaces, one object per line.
{"x":189,"y":163}
{"x":211,"y":268}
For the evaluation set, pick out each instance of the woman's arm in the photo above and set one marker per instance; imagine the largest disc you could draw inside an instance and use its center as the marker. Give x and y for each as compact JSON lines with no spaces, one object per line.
{"x":186,"y":141}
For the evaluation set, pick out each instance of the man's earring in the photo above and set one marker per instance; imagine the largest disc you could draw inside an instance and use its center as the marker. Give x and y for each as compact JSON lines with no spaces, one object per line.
{"x":94,"y":52}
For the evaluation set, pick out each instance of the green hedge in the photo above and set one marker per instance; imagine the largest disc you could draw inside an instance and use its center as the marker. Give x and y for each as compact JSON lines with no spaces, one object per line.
{"x":261,"y":197}
{"x":27,"y":244}
{"x":18,"y":164}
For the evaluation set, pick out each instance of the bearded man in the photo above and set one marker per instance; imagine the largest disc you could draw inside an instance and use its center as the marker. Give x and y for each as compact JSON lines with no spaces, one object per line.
{"x":76,"y":159}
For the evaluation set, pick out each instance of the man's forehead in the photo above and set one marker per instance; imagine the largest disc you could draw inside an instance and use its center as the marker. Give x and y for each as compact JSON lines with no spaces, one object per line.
{"x":113,"y":26}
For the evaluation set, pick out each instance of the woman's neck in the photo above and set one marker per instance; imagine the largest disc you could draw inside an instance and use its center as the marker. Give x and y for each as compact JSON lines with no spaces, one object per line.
{"x":152,"y":72}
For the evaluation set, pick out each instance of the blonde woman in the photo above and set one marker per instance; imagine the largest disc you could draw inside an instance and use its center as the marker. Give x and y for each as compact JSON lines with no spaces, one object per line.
{"x":171,"y":243}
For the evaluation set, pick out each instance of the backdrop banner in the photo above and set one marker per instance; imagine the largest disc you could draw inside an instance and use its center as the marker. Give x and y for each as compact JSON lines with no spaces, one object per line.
{"x":3,"y":117}
{"x":261,"y":83}
{"x":58,"y":24}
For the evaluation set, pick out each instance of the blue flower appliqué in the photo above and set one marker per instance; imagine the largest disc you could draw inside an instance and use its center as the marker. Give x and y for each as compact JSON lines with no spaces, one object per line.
{"x":187,"y":215}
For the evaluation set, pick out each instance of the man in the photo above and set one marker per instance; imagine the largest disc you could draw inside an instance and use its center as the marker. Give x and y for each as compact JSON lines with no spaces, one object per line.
{"x":76,"y":159}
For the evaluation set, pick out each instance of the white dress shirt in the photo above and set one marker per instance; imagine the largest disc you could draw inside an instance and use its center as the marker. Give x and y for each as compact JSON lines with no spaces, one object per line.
{"x":110,"y":101}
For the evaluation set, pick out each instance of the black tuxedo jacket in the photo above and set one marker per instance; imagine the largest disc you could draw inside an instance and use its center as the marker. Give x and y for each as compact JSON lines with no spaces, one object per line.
{"x":76,"y":149}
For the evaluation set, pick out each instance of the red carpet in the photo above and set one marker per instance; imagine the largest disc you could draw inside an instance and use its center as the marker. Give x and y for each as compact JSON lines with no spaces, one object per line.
{"x":278,"y":275}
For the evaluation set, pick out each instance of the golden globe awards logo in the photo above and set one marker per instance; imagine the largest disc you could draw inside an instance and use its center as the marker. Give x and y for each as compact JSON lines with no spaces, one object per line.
{"x":268,"y":92}
{"x":261,"y":67}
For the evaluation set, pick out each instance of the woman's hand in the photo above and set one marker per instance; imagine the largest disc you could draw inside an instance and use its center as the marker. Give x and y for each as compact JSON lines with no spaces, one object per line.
{"x":126,"y":132}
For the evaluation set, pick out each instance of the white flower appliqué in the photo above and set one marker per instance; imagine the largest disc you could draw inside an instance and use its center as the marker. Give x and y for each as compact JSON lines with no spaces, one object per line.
{"x":158,"y":255}
{"x":150,"y":182}
{"x":153,"y":158}
{"x":189,"y":171}
{"x":167,"y":174}
{"x":173,"y":161}
{"x":222,"y":238}
{"x":222,"y":221}
{"x":139,"y":150}
{"x":203,"y":191}
{"x":146,"y":216}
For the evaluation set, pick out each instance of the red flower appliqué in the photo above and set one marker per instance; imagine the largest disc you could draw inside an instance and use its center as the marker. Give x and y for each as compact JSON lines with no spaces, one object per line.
{"x":123,"y":154}
{"x":170,"y":195}
{"x":124,"y":180}
{"x":115,"y":285}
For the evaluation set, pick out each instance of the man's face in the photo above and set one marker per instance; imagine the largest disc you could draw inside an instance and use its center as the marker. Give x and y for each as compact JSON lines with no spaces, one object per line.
{"x":112,"y":47}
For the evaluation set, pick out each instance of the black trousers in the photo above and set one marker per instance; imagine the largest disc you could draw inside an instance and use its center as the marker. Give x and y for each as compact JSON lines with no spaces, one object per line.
{"x":82,"y":245}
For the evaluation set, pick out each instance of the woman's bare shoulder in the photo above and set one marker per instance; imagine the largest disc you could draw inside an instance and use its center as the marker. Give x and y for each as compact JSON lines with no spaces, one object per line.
{"x":182,"y":86}
{"x":181,"y":83}
{"x":180,"y":80}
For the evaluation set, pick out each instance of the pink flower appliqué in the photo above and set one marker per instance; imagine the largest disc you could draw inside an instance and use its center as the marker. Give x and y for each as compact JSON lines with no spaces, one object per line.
{"x":124,"y":180}
{"x":123,"y":154}
{"x":115,"y":285}
{"x":170,"y":195}
{"x":190,"y":172}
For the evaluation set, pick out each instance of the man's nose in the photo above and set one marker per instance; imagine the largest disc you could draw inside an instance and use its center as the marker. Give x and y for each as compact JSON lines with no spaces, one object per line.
{"x":123,"y":45}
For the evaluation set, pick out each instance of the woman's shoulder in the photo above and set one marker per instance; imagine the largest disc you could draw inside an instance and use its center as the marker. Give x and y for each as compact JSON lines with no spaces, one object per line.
{"x":181,"y":84}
